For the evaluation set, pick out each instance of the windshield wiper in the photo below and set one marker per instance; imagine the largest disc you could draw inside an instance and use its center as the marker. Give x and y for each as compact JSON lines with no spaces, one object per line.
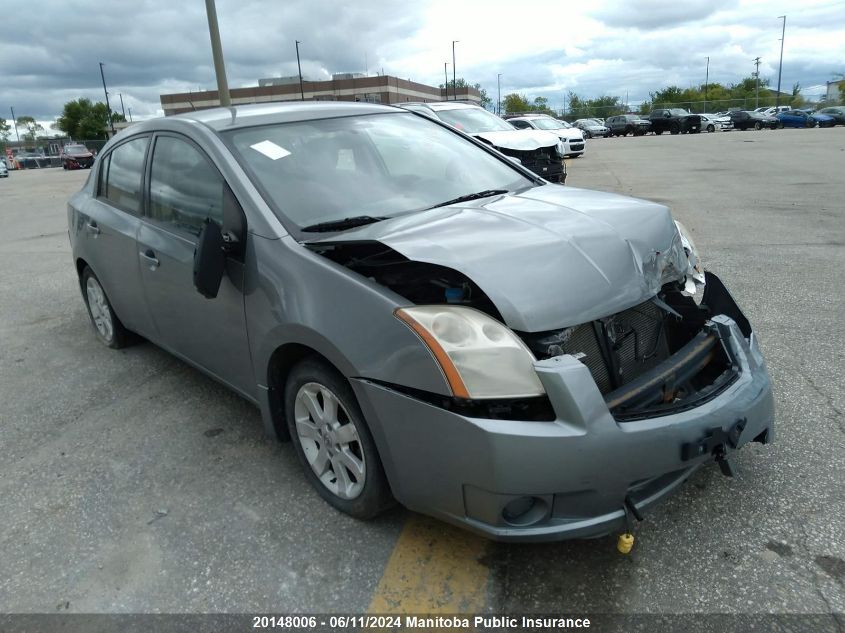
{"x":343,"y":223}
{"x":471,"y":196}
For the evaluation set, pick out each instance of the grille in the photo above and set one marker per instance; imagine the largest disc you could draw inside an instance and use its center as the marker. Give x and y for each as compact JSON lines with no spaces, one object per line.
{"x":634,"y":339}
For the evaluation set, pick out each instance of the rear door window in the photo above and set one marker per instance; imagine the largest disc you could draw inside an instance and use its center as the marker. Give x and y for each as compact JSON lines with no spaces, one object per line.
{"x":123,"y":171}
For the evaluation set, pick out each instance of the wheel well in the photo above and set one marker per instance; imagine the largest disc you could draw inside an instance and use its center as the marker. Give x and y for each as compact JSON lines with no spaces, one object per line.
{"x":281,"y":362}
{"x":80,"y":266}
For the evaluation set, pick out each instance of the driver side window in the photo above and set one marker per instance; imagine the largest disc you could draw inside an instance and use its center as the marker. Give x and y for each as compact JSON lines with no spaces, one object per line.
{"x":185,"y":187}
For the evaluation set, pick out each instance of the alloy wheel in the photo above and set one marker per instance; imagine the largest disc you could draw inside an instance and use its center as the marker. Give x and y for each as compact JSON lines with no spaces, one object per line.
{"x":329,"y":440}
{"x":100,"y":310}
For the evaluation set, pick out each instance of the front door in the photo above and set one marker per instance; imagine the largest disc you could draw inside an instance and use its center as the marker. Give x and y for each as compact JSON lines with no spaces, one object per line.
{"x":185,"y":188}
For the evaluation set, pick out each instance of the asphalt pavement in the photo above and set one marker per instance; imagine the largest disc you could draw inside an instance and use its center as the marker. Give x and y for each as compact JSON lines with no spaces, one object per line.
{"x":129,"y":482}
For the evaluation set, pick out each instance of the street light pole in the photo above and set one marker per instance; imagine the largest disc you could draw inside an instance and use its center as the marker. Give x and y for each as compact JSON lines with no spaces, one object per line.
{"x":121,"y":105}
{"x":299,"y":66}
{"x":217,"y":54}
{"x":706,"y":81}
{"x":780,"y":65}
{"x":108,"y":107}
{"x":499,"y":87}
{"x":15,"y":121}
{"x":130,"y":114}
{"x":757,"y":83}
{"x":446,"y":79}
{"x":454,"y":80}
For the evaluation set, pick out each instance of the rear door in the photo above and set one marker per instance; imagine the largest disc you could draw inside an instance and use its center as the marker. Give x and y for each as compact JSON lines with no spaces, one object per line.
{"x":107,"y":226}
{"x":184,"y":187}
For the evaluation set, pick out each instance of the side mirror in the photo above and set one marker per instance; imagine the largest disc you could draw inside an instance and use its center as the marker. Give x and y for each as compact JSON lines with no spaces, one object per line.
{"x":209,"y":259}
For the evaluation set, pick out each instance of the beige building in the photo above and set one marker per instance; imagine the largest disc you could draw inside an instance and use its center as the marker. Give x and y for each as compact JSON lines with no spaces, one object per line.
{"x":342,"y":87}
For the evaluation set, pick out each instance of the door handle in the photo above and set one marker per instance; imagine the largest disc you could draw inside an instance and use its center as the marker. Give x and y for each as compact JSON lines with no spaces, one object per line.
{"x":150,"y":256}
{"x":92,"y":227}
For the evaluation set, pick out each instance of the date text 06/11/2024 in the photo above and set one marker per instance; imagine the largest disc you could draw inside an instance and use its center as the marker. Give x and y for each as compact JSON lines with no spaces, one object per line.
{"x":415,"y":622}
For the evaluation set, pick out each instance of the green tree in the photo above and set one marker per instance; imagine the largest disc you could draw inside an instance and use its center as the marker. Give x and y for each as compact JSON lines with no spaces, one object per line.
{"x":31,"y":128}
{"x":578,"y":108}
{"x":5,"y":128}
{"x":515,"y":103}
{"x":541,"y":104}
{"x":462,"y":83}
{"x":84,"y":120}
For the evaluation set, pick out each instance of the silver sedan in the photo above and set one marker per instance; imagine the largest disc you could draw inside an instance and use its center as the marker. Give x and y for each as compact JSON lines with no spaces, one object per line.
{"x":426,"y":319}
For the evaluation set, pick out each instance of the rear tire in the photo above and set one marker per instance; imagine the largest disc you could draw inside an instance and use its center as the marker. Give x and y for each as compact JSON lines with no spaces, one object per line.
{"x":333,"y":442}
{"x":108,"y":327}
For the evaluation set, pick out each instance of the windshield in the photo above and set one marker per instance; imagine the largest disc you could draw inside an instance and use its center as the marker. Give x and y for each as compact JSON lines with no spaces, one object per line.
{"x":549,"y":124}
{"x":474,"y":120}
{"x":378,"y":165}
{"x":75,"y":149}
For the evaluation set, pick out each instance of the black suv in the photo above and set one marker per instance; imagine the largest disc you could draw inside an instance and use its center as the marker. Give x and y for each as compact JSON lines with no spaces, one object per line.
{"x":624,"y":124}
{"x":674,"y":121}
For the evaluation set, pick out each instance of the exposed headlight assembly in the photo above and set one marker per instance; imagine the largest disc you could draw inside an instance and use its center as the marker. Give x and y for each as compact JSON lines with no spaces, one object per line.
{"x":480,"y":357}
{"x":695,"y":270}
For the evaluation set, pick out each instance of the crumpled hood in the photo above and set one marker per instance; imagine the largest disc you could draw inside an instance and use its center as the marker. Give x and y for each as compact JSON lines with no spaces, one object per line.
{"x":549,"y":257}
{"x":520,"y":140}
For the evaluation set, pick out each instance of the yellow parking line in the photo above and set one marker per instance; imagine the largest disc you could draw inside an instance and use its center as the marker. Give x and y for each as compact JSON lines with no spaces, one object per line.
{"x":434,"y":569}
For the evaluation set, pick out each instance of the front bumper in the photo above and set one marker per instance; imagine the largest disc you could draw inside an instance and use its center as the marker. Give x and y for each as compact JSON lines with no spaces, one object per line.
{"x":578,"y":470}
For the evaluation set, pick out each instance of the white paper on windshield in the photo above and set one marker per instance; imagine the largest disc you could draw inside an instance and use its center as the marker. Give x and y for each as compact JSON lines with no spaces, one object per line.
{"x":270,"y":150}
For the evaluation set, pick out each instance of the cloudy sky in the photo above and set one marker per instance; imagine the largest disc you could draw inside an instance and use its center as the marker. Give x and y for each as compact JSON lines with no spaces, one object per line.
{"x":49,"y":50}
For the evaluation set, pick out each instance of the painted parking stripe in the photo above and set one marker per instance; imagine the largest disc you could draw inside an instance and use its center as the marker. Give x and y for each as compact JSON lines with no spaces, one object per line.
{"x":434,"y":569}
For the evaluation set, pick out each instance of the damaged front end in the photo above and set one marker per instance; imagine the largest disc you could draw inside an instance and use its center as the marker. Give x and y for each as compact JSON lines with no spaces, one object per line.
{"x":659,"y":357}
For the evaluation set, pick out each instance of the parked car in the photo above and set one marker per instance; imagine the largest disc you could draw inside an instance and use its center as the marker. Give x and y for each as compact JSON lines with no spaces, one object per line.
{"x":571,"y":137}
{"x":624,"y":124}
{"x":800,"y":118}
{"x":76,"y":156}
{"x":745,"y":120}
{"x":592,"y":128}
{"x":837,"y":113}
{"x":674,"y":121}
{"x":427,"y":320}
{"x":541,"y":152}
{"x":4,"y":171}
{"x":772,"y":110}
{"x":713,"y":122}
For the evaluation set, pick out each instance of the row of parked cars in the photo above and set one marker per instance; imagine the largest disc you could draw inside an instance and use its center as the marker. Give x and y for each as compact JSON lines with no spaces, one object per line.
{"x":679,"y":121}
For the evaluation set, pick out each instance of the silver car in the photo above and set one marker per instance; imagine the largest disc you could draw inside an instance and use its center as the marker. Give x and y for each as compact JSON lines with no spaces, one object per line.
{"x":428,"y":321}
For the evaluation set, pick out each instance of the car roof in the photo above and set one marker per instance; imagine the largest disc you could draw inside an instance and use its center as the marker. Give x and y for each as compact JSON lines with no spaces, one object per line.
{"x":442,"y":105}
{"x":267,"y":113}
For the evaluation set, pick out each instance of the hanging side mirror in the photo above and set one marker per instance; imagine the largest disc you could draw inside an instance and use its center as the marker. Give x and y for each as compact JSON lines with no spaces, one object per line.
{"x":209,"y":259}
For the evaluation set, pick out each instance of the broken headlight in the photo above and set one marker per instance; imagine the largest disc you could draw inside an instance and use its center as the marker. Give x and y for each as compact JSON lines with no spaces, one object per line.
{"x":480,"y":357}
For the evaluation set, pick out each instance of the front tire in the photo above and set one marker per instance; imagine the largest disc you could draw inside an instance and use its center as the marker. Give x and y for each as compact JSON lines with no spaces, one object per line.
{"x":108,"y":327}
{"x":333,"y":442}
{"x":675,"y":129}
{"x":711,"y":128}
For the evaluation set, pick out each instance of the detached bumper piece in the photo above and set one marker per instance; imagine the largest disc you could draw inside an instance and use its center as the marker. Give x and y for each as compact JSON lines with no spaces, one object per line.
{"x":669,"y":386}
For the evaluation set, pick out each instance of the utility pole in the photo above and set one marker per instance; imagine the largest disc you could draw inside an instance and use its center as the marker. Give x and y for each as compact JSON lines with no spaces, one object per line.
{"x":706,"y":82}
{"x":780,"y":65}
{"x":757,"y":83}
{"x":15,"y":121}
{"x":108,"y":107}
{"x":454,"y":80}
{"x":446,"y":79}
{"x":130,"y":115}
{"x":499,"y":87}
{"x":299,"y":66}
{"x":217,"y":54}
{"x":120,"y":94}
